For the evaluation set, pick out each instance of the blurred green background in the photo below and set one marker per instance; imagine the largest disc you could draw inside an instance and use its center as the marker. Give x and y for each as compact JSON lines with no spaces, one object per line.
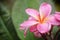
{"x":12,"y":13}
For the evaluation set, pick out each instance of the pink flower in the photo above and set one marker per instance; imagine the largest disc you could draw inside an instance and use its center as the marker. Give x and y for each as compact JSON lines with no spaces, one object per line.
{"x":39,"y":22}
{"x":57,"y":16}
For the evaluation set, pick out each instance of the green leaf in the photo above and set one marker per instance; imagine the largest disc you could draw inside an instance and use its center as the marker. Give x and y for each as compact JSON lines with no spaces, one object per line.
{"x":7,"y":29}
{"x":55,"y":29}
{"x":4,"y":32}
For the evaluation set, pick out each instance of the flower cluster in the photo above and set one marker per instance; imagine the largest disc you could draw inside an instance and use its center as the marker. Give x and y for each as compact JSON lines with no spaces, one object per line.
{"x":40,"y":21}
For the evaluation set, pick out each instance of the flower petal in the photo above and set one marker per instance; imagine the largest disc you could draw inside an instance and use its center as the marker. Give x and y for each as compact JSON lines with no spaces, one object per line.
{"x":45,"y":10}
{"x":31,"y":18}
{"x":57,"y":16}
{"x":37,"y":34}
{"x":43,"y":28}
{"x":25,"y":32}
{"x":33,"y":28}
{"x":53,"y":20}
{"x":32,"y":12}
{"x":27,"y":24}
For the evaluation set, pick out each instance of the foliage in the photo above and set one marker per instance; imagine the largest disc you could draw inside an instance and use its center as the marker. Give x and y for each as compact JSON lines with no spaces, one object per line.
{"x":12,"y":13}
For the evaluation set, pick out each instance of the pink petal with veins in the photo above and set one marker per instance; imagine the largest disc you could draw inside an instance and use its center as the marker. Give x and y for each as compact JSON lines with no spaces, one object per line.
{"x":33,"y":28}
{"x":57,"y":16}
{"x":37,"y":34}
{"x":52,"y":20}
{"x":32,"y":12}
{"x":45,"y":9}
{"x":43,"y":28}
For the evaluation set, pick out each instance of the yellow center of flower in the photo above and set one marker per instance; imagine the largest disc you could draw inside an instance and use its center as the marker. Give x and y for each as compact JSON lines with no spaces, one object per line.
{"x":42,"y":20}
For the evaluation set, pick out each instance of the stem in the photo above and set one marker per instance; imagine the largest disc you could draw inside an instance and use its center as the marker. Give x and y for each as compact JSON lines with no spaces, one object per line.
{"x":51,"y":30}
{"x":48,"y":36}
{"x":51,"y":35}
{"x":44,"y":36}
